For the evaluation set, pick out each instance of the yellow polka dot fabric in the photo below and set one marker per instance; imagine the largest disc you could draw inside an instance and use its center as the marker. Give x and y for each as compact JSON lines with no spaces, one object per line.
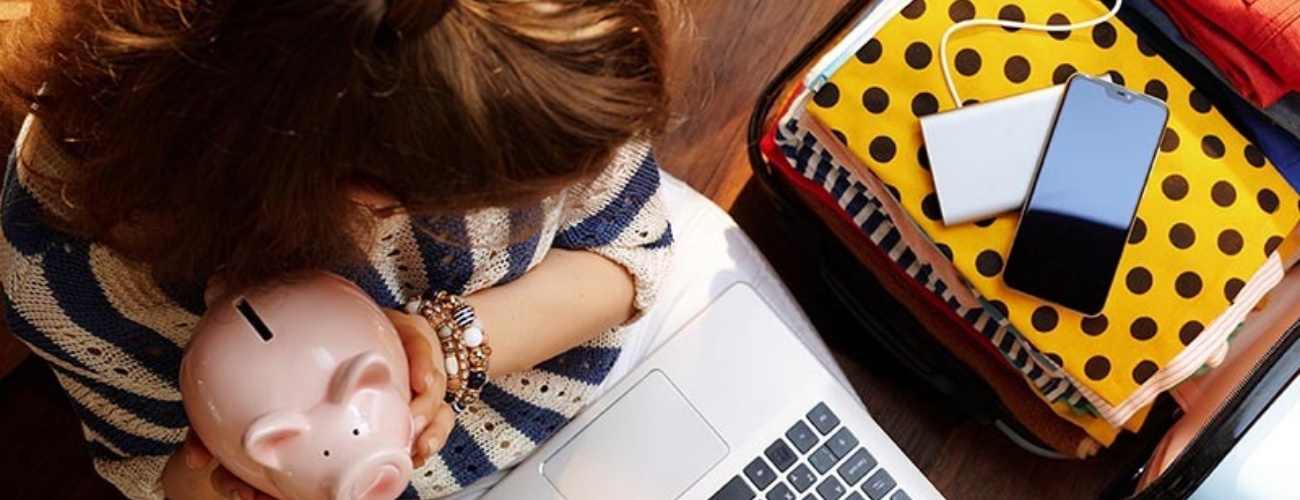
{"x":1213,"y":210}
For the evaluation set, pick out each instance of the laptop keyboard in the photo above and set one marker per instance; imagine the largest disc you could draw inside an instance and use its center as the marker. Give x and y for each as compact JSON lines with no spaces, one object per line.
{"x":818,"y":459}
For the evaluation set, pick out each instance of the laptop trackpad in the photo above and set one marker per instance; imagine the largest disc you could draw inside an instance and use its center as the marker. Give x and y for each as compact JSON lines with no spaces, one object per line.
{"x":650,"y":444}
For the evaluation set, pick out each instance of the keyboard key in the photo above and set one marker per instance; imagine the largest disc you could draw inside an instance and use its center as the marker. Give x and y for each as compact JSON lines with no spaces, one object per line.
{"x":735,"y":489}
{"x":801,"y":478}
{"x":759,"y":473}
{"x":878,"y":485}
{"x":842,"y":442}
{"x":823,"y":459}
{"x":900,"y":495}
{"x":802,"y":437}
{"x":857,"y":466}
{"x":781,"y":455}
{"x":853,"y":495}
{"x":780,"y":492}
{"x":830,"y":489}
{"x":823,"y":418}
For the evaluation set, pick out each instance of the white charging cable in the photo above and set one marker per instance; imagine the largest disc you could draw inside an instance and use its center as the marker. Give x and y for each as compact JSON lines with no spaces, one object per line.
{"x":943,"y":42}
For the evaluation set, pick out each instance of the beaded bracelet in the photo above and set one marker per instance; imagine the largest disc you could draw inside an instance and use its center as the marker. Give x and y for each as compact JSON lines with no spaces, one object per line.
{"x":464,"y":346}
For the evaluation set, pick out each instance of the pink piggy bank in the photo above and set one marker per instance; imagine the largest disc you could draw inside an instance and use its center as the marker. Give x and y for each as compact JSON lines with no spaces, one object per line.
{"x":301,"y":390}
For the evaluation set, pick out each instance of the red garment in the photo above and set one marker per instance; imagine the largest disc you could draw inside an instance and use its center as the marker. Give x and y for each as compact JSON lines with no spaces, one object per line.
{"x":1256,"y":43}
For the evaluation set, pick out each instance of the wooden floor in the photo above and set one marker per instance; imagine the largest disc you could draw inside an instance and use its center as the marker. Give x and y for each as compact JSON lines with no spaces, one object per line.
{"x":724,"y":51}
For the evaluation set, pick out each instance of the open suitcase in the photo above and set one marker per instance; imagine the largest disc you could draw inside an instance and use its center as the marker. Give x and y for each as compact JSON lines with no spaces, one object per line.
{"x":913,"y":328}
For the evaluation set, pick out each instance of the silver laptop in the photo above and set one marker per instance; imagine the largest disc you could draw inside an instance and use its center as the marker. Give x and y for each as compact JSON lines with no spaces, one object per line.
{"x":734,"y":406}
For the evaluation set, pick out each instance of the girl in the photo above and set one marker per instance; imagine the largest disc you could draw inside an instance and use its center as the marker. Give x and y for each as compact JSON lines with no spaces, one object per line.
{"x":491,"y":149}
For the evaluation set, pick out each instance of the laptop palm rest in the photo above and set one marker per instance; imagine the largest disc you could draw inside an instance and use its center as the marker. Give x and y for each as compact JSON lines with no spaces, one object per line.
{"x":650,"y":444}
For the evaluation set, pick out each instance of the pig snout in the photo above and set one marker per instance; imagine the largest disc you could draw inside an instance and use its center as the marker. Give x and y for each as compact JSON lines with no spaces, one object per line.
{"x":381,"y":476}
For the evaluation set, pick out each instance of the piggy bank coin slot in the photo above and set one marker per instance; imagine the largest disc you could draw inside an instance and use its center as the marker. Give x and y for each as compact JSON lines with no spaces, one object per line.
{"x":246,"y":310}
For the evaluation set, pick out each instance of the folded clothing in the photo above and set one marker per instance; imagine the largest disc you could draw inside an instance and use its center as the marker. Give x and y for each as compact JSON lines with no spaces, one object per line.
{"x":1213,"y":212}
{"x":1255,"y":43}
{"x":803,"y":151}
{"x":1151,"y":22}
{"x":1275,"y":129}
{"x":851,"y":213}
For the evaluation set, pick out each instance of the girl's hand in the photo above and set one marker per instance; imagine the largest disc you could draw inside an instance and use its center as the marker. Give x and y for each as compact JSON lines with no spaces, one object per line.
{"x":432,"y":416}
{"x":202,"y":478}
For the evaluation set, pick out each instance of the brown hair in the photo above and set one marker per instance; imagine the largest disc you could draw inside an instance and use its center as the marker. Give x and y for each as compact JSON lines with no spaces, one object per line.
{"x":222,"y":134}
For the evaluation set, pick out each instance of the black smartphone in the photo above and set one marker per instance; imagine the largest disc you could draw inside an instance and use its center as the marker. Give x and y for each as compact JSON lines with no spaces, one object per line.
{"x":1076,"y":220}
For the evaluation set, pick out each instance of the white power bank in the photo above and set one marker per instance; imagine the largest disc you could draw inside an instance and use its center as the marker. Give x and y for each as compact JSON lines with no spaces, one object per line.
{"x":983,"y":156}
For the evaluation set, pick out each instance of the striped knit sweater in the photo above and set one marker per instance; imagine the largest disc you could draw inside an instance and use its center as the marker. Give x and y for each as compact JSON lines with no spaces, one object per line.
{"x":115,"y":338}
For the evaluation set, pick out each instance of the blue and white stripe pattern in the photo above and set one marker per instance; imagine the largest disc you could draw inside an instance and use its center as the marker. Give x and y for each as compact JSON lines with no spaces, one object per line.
{"x":115,"y":339}
{"x":808,"y":157}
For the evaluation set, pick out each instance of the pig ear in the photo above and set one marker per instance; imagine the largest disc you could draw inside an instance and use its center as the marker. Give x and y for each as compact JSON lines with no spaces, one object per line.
{"x":267,"y":435}
{"x":215,"y":289}
{"x":368,"y":370}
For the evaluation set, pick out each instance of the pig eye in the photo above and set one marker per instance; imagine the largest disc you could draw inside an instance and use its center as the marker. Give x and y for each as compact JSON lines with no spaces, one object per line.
{"x":327,"y":453}
{"x":356,"y":432}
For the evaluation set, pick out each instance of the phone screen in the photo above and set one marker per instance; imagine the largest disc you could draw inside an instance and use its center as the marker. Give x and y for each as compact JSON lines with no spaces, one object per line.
{"x":1075,"y":224}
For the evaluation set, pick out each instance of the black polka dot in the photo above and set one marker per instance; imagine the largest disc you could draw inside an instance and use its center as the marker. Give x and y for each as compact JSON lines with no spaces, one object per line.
{"x":893,"y":192}
{"x":1055,"y":359}
{"x":986,"y":222}
{"x":870,"y":52}
{"x":1058,"y":20}
{"x":839,"y":136}
{"x":942,"y":248}
{"x":1198,"y":101}
{"x":1138,"y":233}
{"x":961,"y":10}
{"x":968,"y":62}
{"x":1146,"y":49}
{"x":918,"y":55}
{"x":1232,"y":288}
{"x":1094,"y":325}
{"x":1169,"y":142}
{"x":1097,"y":367}
{"x":1182,"y":235}
{"x":1063,"y":73}
{"x":1138,"y":280}
{"x":828,"y":96}
{"x":882,"y":149}
{"x":1254,"y":156}
{"x":1001,"y":308}
{"x":1268,"y":200}
{"x":1044,"y":319}
{"x":914,"y":10}
{"x":930,"y":207}
{"x":1116,"y":77}
{"x":1104,"y":35}
{"x":1230,"y":242}
{"x":1144,"y":370}
{"x":924,"y":104}
{"x":1016,"y":69}
{"x":1188,"y":285}
{"x":1143,"y":328}
{"x":923,"y":157}
{"x":1271,"y":245}
{"x":1212,"y":146}
{"x":1011,"y":13}
{"x":1157,"y":89}
{"x":988,"y":263}
{"x":1190,"y":331}
{"x":876,"y":100}
{"x":1174,"y":187}
{"x":1223,"y":194}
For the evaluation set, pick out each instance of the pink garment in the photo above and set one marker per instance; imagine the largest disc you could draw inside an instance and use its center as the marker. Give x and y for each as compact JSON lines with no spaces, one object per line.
{"x":1255,"y":43}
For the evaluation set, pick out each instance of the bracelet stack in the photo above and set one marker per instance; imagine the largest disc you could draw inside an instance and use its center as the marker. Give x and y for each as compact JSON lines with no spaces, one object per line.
{"x":464,"y":346}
